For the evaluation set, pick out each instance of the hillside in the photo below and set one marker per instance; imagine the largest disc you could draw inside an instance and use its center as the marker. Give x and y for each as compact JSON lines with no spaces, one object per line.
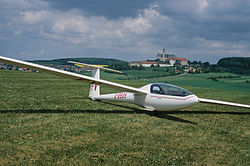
{"x":239,"y":65}
{"x":97,"y":61}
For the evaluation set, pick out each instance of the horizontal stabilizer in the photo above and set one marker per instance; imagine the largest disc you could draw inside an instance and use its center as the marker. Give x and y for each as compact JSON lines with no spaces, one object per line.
{"x":94,"y":66}
{"x":209,"y":101}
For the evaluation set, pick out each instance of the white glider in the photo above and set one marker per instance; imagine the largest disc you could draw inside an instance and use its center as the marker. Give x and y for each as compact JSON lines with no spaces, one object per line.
{"x":155,"y":96}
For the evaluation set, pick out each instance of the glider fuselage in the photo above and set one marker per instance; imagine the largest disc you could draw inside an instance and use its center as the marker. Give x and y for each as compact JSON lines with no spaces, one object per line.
{"x":151,"y":101}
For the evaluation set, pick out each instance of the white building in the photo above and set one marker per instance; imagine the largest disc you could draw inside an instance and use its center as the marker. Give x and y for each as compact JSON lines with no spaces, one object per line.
{"x":143,"y":63}
{"x":163,"y":56}
{"x":150,"y":63}
{"x":181,"y":61}
{"x":165,"y":64}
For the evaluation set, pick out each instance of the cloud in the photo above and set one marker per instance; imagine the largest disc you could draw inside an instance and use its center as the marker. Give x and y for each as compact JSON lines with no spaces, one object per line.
{"x":70,"y":24}
{"x":3,"y":37}
{"x":210,"y":19}
{"x":110,"y":9}
{"x":73,"y":26}
{"x":18,"y":32}
{"x":202,"y":4}
{"x":138,"y":25}
{"x":23,"y":4}
{"x":194,"y":29}
{"x":217,"y":45}
{"x":34,"y":17}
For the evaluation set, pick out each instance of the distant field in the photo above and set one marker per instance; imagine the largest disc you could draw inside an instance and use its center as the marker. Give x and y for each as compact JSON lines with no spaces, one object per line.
{"x":47,"y":120}
{"x":146,"y":73}
{"x":201,"y":80}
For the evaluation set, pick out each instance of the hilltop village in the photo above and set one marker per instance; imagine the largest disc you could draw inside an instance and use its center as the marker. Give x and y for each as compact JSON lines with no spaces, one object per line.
{"x":162,"y":59}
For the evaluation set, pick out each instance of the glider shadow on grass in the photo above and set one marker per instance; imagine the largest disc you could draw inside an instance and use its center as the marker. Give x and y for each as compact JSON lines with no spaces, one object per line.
{"x":163,"y":115}
{"x":135,"y":111}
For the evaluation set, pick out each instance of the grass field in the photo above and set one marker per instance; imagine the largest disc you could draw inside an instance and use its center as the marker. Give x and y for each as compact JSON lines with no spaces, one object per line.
{"x":47,"y":120}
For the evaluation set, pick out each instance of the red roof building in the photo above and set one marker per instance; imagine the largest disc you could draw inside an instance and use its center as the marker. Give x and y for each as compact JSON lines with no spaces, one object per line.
{"x":177,"y":58}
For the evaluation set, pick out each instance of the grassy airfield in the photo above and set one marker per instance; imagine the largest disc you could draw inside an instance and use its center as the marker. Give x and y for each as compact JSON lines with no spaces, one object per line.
{"x":48,"y":120}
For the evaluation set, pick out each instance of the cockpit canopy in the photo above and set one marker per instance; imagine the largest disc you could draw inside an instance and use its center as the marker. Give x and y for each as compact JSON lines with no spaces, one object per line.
{"x":168,"y":89}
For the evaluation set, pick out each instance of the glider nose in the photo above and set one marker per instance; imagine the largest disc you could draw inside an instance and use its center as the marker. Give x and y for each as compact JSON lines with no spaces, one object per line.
{"x":193,"y":100}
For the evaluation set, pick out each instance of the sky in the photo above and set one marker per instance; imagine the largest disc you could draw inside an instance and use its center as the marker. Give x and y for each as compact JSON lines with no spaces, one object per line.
{"x":201,"y":30}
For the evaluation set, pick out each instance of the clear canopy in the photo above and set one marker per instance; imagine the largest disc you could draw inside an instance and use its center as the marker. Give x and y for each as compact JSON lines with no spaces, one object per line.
{"x":168,"y":89}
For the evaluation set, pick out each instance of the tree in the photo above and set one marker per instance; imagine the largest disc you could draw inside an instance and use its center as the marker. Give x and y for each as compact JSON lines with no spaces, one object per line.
{"x":141,"y":67}
{"x":205,"y":64}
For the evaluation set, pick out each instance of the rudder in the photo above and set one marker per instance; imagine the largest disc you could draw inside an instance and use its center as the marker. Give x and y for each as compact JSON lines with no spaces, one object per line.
{"x":94,"y":90}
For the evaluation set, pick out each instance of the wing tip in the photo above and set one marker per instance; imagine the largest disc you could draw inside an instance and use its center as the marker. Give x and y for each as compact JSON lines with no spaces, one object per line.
{"x":218,"y":102}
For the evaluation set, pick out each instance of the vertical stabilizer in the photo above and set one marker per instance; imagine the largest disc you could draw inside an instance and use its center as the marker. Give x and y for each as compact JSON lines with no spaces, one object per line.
{"x":94,"y":89}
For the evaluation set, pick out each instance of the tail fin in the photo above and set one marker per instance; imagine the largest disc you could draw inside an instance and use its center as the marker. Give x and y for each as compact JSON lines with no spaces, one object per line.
{"x":94,"y":89}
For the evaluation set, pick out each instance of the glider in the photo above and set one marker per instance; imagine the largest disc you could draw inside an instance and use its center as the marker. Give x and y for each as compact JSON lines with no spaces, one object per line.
{"x":152,"y":97}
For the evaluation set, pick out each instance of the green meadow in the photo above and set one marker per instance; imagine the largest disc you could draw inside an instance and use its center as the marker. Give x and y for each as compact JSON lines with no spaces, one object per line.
{"x":238,"y":82}
{"x":48,"y":120}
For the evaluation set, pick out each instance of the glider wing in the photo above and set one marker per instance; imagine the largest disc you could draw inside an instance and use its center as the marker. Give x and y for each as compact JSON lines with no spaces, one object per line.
{"x":209,"y":101}
{"x":70,"y":75}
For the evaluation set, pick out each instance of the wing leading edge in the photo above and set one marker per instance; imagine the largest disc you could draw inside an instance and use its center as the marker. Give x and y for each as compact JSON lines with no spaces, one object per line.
{"x":70,"y":75}
{"x":209,"y":101}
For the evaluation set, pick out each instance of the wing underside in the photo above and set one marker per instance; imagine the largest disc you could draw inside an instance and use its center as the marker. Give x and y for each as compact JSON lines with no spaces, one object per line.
{"x":209,"y":101}
{"x":70,"y":75}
